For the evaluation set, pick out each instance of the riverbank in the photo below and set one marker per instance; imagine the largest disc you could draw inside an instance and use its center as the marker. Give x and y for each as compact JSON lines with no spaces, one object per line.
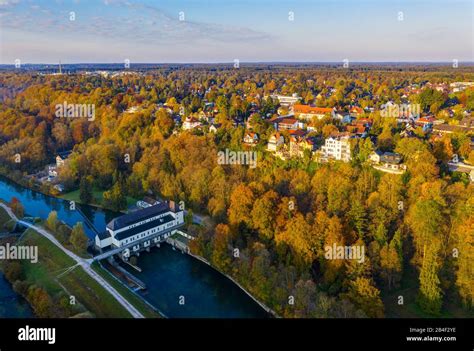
{"x":148,"y":310}
{"x":261,"y":304}
{"x":19,"y":179}
{"x":210,"y":293}
{"x":63,"y":287}
{"x":202,"y":259}
{"x":184,"y":287}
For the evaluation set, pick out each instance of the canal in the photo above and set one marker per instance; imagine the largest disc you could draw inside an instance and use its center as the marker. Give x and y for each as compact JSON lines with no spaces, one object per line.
{"x":178,"y":285}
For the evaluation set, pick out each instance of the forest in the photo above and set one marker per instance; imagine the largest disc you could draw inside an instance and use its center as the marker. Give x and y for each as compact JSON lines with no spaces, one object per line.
{"x":268,"y":226}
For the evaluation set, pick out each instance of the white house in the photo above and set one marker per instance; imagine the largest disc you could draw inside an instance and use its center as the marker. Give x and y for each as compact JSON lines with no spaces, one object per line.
{"x":61,"y":158}
{"x":191,"y":123}
{"x":251,"y":138}
{"x":337,"y":148}
{"x":275,"y":141}
{"x":141,"y":228}
{"x":286,"y":100}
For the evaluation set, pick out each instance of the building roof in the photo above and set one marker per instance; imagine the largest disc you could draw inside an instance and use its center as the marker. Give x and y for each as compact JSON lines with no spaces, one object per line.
{"x":356,"y":109}
{"x":299,"y":108}
{"x":103,"y":235}
{"x":138,"y":216}
{"x":288,"y":121}
{"x":451,"y":128}
{"x":64,"y":154}
{"x":390,"y":157}
{"x":144,"y":227}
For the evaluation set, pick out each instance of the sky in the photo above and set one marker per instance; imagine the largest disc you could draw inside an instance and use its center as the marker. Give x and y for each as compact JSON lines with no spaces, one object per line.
{"x":186,"y":31}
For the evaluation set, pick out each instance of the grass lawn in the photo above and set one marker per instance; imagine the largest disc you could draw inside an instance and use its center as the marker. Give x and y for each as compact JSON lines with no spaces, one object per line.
{"x":4,"y":219}
{"x":97,"y":198}
{"x":52,"y":262}
{"x":74,"y":196}
{"x":136,"y":301}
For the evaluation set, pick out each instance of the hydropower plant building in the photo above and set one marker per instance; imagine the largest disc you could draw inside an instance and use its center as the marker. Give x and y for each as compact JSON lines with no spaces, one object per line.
{"x":141,"y":229}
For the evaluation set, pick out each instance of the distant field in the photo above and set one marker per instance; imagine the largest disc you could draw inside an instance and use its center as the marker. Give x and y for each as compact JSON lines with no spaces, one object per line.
{"x":53,"y":262}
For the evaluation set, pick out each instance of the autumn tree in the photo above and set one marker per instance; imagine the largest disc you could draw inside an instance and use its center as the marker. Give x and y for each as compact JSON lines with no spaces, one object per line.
{"x":79,"y":238}
{"x":17,"y":207}
{"x":115,"y":198}
{"x":366,"y":296}
{"x":241,"y":202}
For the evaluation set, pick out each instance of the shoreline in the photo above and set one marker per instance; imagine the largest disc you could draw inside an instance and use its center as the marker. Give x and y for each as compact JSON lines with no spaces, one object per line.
{"x":261,"y":304}
{"x":203,"y":260}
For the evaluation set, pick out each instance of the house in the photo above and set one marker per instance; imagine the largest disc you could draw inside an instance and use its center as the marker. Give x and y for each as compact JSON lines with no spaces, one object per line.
{"x":337,"y":147}
{"x":251,"y":138}
{"x":286,"y":101}
{"x":356,"y":111}
{"x":286,"y":123}
{"x":460,"y":86}
{"x":147,"y":202}
{"x":142,"y":228}
{"x":308,"y":112}
{"x":357,"y":129}
{"x":275,"y":142}
{"x":214,"y":127}
{"x":467,"y":122}
{"x":59,"y":187}
{"x":61,"y":158}
{"x":388,"y":162}
{"x":466,"y":125}
{"x":347,"y":119}
{"x":191,"y":123}
{"x":375,"y":156}
{"x":52,"y":171}
{"x":299,"y":144}
{"x":425,"y":122}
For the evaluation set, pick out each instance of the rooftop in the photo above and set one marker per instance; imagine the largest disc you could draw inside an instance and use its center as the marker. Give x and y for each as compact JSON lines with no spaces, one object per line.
{"x":138,"y":216}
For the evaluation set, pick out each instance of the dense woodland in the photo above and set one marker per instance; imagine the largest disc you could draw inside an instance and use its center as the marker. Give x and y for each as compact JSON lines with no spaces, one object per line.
{"x":281,"y":214}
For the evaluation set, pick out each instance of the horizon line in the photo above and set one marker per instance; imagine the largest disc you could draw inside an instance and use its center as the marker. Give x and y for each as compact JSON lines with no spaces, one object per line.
{"x":233,"y":62}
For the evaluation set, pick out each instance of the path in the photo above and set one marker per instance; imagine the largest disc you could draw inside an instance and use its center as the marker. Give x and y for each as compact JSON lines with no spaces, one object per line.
{"x":84,"y":263}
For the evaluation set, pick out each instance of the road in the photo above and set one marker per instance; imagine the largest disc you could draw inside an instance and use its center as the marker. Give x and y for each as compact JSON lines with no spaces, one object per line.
{"x":84,"y":263}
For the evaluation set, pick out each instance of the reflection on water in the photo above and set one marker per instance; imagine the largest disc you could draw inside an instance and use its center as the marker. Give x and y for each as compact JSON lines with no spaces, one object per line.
{"x":170,"y":275}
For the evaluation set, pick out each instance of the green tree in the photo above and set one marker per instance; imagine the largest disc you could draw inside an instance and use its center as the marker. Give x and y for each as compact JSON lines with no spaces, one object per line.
{"x":79,"y":238}
{"x":366,"y":296}
{"x":85,"y":190}
{"x":115,"y":198}
{"x":52,"y":221}
{"x":430,"y":294}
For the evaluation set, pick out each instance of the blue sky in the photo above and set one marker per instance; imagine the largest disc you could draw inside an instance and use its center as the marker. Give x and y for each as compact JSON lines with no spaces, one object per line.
{"x":223,"y":30}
